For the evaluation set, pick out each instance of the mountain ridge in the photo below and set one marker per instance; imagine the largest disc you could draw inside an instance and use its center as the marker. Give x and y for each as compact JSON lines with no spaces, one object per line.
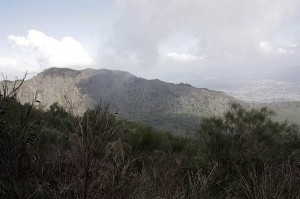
{"x":134,"y":98}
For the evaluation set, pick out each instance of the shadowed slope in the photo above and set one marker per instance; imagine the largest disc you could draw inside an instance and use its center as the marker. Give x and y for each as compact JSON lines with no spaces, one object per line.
{"x":132,"y":97}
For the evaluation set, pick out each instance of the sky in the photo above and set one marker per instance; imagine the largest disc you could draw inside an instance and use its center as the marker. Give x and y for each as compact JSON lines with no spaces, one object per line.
{"x":172,"y":40}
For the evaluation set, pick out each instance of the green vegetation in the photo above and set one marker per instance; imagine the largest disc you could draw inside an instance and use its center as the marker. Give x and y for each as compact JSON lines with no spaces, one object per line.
{"x":285,"y":111}
{"x":56,"y":154}
{"x":166,"y":106}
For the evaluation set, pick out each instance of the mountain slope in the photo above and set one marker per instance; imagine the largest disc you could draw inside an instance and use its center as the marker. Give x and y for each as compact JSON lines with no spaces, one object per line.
{"x":132,"y":97}
{"x":284,"y":111}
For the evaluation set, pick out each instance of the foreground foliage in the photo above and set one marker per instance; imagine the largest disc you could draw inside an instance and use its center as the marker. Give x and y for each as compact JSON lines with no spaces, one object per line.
{"x":55,"y":154}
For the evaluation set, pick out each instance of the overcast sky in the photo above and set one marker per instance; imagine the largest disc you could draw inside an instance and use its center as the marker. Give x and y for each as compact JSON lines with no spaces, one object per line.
{"x":167,"y":39}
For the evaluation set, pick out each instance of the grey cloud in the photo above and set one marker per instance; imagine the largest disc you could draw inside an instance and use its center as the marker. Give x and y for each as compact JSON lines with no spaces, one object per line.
{"x":228,"y":32}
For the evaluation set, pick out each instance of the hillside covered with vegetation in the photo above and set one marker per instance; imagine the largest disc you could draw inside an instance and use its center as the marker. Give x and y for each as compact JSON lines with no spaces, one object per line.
{"x":153,"y":102}
{"x":55,"y":153}
{"x":289,"y":110}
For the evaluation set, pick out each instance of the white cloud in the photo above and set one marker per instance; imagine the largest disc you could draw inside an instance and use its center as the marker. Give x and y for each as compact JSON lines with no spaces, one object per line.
{"x":283,"y":51}
{"x":181,"y":56}
{"x":292,"y":45}
{"x":10,"y":68}
{"x":266,"y":47}
{"x":52,"y":52}
{"x":7,"y":61}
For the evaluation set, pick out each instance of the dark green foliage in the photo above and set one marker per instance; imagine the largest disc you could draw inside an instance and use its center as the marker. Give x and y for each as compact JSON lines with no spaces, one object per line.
{"x":178,"y":124}
{"x":54,"y":154}
{"x":57,"y":117}
{"x":246,"y":143}
{"x":145,"y":139}
{"x":19,"y":129}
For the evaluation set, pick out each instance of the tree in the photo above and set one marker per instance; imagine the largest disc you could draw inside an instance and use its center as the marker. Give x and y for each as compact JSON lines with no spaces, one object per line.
{"x":243,"y":142}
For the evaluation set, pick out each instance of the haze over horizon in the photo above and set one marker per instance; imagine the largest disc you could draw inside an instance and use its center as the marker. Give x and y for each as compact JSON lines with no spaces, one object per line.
{"x":197,"y":42}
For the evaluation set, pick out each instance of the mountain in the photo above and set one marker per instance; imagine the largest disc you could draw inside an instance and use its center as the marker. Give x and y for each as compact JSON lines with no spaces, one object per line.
{"x":284,"y":111}
{"x":161,"y":104}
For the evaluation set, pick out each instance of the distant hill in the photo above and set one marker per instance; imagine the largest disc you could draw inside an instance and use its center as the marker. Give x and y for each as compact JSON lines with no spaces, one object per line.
{"x":289,"y":111}
{"x":161,"y":104}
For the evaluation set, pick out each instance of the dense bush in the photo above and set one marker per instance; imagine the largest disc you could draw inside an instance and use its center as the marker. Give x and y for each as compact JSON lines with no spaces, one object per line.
{"x":55,"y":154}
{"x":251,"y":155}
